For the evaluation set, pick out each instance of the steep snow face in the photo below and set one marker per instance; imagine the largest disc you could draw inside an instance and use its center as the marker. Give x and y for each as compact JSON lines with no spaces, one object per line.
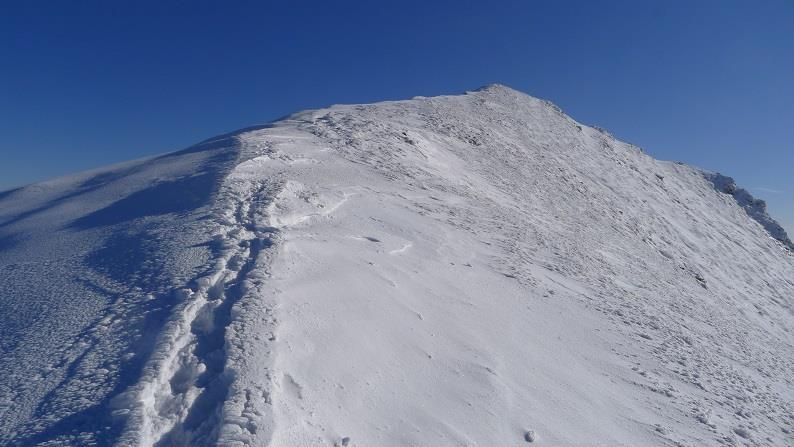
{"x":463,"y":270}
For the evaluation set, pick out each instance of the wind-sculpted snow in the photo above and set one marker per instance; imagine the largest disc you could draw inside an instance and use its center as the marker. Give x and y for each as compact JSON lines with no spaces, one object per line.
{"x":756,"y":208}
{"x":462,"y":270}
{"x":90,"y":280}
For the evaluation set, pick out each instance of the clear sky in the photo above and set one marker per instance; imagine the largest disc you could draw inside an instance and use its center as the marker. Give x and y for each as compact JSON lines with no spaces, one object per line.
{"x":88,"y":83}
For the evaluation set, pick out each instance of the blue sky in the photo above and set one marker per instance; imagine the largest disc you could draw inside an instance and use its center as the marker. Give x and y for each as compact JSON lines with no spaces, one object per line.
{"x":84,"y":84}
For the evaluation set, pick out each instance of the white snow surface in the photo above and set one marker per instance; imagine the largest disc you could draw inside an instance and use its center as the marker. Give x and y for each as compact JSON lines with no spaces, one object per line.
{"x":471,"y":270}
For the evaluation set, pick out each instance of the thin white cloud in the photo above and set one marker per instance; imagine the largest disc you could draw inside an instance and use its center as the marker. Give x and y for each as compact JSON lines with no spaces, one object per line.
{"x":789,"y":227}
{"x":769,"y":190}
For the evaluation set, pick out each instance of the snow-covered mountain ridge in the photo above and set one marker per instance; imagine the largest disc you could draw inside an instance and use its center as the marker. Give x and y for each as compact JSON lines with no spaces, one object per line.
{"x":460,"y":270}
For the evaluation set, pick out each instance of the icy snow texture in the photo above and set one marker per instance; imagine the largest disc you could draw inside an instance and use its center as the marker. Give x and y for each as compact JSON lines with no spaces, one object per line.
{"x":462,"y":270}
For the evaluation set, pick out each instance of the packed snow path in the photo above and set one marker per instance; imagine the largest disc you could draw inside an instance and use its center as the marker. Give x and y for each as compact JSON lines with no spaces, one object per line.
{"x":462,"y":270}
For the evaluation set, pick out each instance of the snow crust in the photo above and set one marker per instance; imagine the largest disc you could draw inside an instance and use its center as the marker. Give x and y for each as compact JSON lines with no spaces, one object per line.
{"x":468,"y":270}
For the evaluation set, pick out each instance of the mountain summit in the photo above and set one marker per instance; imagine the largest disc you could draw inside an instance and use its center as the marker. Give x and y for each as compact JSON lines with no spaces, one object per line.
{"x":470,"y":270}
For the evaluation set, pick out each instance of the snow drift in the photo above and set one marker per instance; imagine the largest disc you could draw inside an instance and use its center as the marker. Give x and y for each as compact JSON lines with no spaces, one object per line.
{"x":461,"y":270}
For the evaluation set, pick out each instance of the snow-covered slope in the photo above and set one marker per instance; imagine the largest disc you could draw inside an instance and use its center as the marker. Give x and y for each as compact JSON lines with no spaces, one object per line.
{"x":475,"y":270}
